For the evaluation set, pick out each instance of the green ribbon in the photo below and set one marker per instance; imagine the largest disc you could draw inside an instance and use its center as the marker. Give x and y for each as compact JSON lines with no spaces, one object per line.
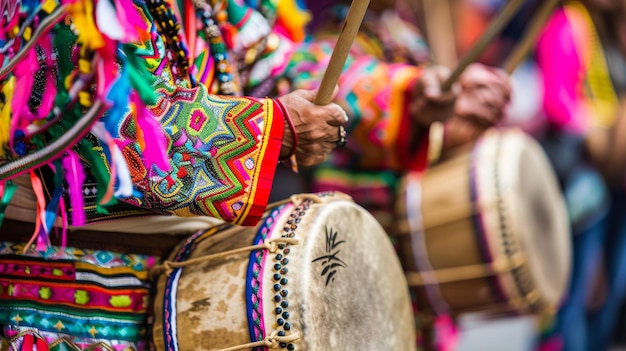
{"x":9,"y":191}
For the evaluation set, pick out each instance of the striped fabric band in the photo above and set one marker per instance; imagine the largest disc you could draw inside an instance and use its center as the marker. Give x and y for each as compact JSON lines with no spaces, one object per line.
{"x":98,"y":296}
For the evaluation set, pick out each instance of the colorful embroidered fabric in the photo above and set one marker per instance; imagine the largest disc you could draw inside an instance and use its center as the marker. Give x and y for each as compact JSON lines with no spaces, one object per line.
{"x":63,"y":298}
{"x":122,"y":72}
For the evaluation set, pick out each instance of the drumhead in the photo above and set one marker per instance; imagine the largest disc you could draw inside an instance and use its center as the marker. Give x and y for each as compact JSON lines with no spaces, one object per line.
{"x":350,"y":289}
{"x":531,"y":219}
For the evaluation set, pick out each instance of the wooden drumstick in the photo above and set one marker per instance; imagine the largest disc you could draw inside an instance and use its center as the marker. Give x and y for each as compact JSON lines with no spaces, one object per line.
{"x":440,"y":31}
{"x":496,"y":26}
{"x":340,"y":53}
{"x":530,"y":35}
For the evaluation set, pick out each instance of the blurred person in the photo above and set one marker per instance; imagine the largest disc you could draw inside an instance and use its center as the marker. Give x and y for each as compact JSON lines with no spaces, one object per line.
{"x":577,"y":56}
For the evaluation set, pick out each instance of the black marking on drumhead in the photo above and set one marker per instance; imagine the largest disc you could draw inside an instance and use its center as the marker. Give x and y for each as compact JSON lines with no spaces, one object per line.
{"x":330,"y":261}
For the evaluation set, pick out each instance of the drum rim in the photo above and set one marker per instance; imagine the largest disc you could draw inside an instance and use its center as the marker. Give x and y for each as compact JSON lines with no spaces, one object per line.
{"x":529,"y":296}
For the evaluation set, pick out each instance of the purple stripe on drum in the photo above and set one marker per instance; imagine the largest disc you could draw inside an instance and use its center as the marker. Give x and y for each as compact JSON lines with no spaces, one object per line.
{"x":478,"y":222}
{"x":171,"y":286}
{"x":254,"y":277}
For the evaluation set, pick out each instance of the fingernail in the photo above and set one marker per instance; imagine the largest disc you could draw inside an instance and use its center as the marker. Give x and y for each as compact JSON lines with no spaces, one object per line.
{"x":345,"y":116}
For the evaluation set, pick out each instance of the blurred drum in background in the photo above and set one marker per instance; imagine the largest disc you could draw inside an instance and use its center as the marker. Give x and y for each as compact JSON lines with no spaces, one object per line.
{"x":486,"y":230}
{"x":317,"y":273}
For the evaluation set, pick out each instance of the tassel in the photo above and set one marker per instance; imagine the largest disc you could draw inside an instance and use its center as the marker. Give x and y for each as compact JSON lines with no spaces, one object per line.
{"x":118,"y":98}
{"x":5,"y":115}
{"x":119,"y":168}
{"x":7,"y":190}
{"x":41,"y":232}
{"x":108,"y":23}
{"x":155,"y":153}
{"x":22,"y":92}
{"x":82,"y":13}
{"x":446,"y":334}
{"x":63,"y":212}
{"x":53,"y":205}
{"x":100,"y":132}
{"x":135,"y":28}
{"x":107,"y":68}
{"x":125,"y":185}
{"x":51,"y":211}
{"x":140,"y":78}
{"x":75,"y":178}
{"x":100,"y":171}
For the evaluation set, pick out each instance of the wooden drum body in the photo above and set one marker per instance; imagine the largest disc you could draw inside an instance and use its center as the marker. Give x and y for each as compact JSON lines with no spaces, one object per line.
{"x":328,"y":279}
{"x":486,"y":230}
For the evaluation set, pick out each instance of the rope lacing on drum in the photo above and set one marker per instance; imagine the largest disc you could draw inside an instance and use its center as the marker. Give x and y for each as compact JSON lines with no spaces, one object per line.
{"x":272,"y":341}
{"x":270,"y":245}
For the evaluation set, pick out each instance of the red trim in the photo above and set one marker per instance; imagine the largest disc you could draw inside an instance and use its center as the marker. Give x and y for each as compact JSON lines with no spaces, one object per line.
{"x":419,"y":161}
{"x":291,"y":126}
{"x":410,"y":157}
{"x":190,"y":31}
{"x":405,"y":151}
{"x":268,"y":167}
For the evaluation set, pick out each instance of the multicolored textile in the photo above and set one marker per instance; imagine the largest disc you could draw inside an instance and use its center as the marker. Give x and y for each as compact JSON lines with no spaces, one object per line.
{"x":67,"y":298}
{"x":107,"y":79}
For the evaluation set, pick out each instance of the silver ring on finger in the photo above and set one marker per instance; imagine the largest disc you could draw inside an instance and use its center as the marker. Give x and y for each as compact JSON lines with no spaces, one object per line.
{"x":341,"y":142}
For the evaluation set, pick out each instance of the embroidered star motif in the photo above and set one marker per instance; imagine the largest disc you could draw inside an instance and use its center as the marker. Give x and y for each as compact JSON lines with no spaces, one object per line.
{"x":93,"y":331}
{"x":58,"y":326}
{"x":17,"y":318}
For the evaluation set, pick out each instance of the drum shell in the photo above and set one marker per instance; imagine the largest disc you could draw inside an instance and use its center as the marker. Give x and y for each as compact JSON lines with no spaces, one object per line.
{"x":454,"y":218}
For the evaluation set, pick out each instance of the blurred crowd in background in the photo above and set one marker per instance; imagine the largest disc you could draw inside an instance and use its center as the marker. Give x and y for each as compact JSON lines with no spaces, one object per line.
{"x":569,"y":95}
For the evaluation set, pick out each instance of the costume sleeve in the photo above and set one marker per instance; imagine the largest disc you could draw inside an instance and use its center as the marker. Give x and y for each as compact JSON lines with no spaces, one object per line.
{"x":222,"y":153}
{"x":375,"y":96}
{"x":563,"y":70}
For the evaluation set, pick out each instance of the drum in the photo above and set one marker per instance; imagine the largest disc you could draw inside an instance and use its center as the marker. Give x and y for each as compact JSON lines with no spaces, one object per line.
{"x":486,"y":230}
{"x":316,"y":273}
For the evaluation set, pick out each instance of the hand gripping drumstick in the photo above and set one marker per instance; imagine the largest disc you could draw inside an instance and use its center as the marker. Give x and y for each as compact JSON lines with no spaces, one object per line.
{"x":340,"y":53}
{"x":435,"y":136}
{"x":514,"y":59}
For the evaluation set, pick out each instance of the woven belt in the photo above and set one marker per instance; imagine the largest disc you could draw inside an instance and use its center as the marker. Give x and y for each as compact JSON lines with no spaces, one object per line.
{"x":159,"y":245}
